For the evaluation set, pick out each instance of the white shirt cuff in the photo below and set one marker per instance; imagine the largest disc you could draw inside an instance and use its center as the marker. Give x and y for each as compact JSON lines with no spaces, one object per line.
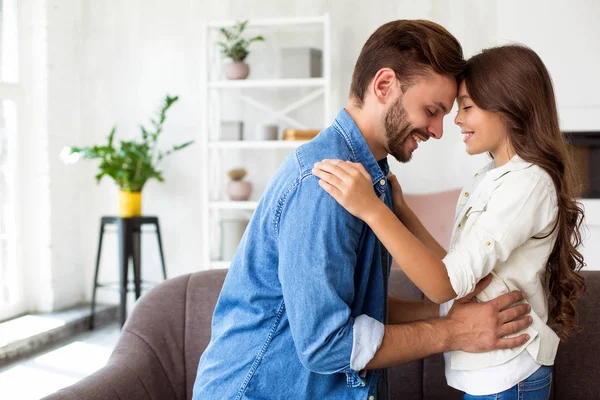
{"x":367,"y":337}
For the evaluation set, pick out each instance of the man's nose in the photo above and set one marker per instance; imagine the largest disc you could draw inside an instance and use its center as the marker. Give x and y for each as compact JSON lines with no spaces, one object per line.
{"x":436,"y":130}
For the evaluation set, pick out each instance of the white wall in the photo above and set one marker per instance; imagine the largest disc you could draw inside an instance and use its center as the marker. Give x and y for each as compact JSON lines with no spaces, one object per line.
{"x":69,"y":198}
{"x":49,"y":200}
{"x":111,"y":62}
{"x":565,"y":36}
{"x":32,"y":196}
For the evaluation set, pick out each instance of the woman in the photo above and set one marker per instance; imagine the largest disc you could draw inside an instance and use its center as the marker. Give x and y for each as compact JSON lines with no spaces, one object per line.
{"x":518,"y":221}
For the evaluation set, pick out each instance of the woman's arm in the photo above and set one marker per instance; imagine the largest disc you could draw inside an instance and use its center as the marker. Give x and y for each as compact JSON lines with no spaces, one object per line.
{"x":350,"y":185}
{"x":422,"y":266}
{"x":410,"y":220}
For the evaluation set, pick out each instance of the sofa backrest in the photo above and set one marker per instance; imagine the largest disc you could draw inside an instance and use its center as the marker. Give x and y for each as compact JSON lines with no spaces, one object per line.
{"x":577,"y":365}
{"x":436,"y":212}
{"x":202,"y":294}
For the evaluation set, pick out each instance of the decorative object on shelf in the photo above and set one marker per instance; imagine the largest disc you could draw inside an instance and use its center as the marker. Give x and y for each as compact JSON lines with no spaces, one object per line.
{"x":266,"y":132}
{"x":301,"y":63}
{"x":231,"y":130}
{"x":132,"y":163}
{"x":238,"y":189}
{"x":235,"y":47}
{"x":300,"y":134}
{"x":232,"y":231}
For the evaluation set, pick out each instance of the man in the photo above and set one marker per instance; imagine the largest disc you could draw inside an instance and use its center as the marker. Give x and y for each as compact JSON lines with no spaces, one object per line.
{"x":304,"y":311}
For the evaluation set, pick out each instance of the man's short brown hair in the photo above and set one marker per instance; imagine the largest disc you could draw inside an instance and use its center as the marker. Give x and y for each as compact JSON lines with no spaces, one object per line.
{"x":412,"y":48}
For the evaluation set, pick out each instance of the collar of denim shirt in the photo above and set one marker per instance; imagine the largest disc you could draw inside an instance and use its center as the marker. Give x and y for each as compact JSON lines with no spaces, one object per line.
{"x":361,"y":152}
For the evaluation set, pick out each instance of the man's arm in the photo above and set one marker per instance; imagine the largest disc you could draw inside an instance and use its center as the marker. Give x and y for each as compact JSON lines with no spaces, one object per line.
{"x":401,"y":310}
{"x":317,"y":242}
{"x":469,"y":326}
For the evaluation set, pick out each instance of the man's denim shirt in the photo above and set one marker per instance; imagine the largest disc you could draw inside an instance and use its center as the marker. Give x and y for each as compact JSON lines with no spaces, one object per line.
{"x":301,"y":310}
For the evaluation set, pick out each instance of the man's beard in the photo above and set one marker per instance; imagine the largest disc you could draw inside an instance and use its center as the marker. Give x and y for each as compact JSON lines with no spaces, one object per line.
{"x":398,"y":131}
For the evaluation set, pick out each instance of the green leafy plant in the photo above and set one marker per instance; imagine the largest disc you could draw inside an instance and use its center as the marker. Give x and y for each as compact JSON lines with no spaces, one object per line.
{"x":133,"y":162}
{"x":235,"y":46}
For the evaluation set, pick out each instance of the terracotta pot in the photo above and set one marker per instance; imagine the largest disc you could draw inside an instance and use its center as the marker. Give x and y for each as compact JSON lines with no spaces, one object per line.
{"x":239,"y":190}
{"x":237,"y":70}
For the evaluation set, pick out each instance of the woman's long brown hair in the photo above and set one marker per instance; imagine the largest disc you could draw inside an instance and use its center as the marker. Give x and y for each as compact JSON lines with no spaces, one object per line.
{"x":513,"y":82}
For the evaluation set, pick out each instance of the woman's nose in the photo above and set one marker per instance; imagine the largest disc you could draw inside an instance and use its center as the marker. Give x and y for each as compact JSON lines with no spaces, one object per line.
{"x":458,"y":119}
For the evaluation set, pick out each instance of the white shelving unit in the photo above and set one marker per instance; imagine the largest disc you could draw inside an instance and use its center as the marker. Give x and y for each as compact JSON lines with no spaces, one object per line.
{"x":214,"y":149}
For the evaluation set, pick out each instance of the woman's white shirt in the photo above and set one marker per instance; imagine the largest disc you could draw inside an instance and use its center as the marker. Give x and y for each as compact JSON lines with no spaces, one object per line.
{"x":504,"y":226}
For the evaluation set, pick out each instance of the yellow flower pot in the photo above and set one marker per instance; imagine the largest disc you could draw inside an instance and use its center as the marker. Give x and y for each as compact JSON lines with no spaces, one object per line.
{"x":130,"y":204}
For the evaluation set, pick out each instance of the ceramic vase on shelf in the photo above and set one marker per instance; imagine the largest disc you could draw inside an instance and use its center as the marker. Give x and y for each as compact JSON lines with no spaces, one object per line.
{"x":266,"y":132}
{"x":237,"y":188}
{"x":237,"y":70}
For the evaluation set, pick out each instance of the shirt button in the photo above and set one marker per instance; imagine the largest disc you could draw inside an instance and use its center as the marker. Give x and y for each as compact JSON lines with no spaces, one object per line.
{"x":371,"y":397}
{"x":487,"y":243}
{"x":459,"y":225}
{"x":476,"y":174}
{"x":466,"y":194}
{"x":382,"y":182}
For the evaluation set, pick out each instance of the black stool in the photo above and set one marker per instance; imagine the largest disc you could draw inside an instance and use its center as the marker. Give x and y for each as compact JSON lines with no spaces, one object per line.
{"x":129,"y":230}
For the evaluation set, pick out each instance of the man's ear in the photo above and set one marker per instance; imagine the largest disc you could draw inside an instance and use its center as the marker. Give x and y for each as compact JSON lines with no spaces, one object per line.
{"x":385,"y":85}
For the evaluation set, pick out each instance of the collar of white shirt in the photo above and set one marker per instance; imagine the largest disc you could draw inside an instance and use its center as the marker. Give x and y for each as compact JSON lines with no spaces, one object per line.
{"x":516,"y":163}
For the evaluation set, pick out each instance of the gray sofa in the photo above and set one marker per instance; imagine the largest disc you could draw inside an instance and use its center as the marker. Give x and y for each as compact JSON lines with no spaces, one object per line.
{"x":158,"y":352}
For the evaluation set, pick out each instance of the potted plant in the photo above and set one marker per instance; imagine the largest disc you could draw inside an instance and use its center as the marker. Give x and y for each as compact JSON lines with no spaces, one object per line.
{"x":238,"y":189}
{"x":235,"y":47}
{"x":132,"y":163}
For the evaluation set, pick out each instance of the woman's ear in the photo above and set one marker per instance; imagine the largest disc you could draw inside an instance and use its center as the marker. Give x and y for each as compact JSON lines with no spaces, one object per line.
{"x":385,"y":85}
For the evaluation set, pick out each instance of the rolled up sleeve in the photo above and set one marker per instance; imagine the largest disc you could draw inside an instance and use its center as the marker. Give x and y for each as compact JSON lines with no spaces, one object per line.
{"x":318,"y":242}
{"x":368,"y":335}
{"x":523,"y":206}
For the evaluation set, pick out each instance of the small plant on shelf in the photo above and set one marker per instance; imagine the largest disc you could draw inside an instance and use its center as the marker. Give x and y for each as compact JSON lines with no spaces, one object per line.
{"x":235,"y":47}
{"x":238,"y":189}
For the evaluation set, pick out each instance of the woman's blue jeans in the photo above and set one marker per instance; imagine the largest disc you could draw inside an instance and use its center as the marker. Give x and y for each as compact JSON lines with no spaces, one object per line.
{"x":536,"y":387}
